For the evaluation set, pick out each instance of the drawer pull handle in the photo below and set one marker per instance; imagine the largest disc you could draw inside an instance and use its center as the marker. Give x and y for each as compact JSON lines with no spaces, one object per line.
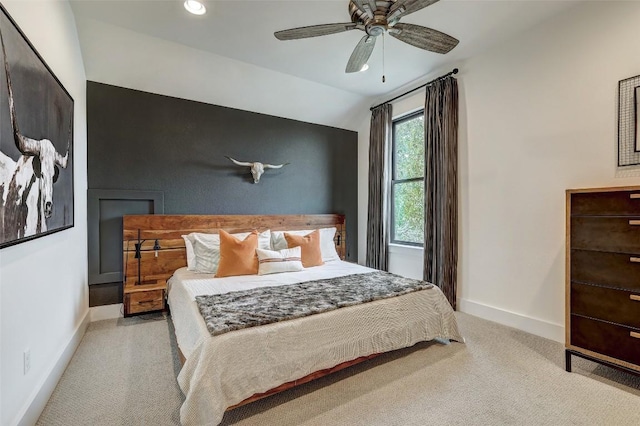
{"x":634,"y":259}
{"x":634,"y":334}
{"x":634,"y":222}
{"x":634,"y":297}
{"x":634,"y":196}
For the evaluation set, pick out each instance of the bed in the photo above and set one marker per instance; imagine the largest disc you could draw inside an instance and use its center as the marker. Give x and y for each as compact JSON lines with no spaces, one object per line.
{"x":224,"y":371}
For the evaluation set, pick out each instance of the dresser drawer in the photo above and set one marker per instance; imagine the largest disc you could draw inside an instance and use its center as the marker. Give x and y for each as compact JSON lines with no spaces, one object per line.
{"x":606,"y":234}
{"x":606,"y":203}
{"x":607,"y":339}
{"x":611,"y":269}
{"x":145,"y":301}
{"x":606,"y":303}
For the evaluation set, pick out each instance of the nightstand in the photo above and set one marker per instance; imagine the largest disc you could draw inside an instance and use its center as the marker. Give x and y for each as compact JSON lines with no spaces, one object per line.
{"x":144,"y":298}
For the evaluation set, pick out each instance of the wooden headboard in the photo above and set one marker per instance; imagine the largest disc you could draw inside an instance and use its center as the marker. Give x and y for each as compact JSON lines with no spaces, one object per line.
{"x":168,"y":230}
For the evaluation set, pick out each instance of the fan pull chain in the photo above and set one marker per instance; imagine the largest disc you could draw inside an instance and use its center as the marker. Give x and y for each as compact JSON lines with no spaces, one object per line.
{"x":383,"y":77}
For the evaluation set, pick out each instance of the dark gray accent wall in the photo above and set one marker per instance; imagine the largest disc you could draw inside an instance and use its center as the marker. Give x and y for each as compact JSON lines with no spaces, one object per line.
{"x":147,"y":142}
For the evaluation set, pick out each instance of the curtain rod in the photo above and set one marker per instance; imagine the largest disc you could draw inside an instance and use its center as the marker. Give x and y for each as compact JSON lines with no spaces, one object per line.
{"x":455,"y":71}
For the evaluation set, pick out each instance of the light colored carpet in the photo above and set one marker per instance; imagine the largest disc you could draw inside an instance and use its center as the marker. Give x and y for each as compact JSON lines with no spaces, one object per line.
{"x":124,"y":373}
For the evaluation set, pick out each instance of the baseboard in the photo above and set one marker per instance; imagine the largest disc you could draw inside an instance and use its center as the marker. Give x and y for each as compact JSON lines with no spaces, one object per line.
{"x":99,"y":313}
{"x":43,"y":391}
{"x":521,"y":322}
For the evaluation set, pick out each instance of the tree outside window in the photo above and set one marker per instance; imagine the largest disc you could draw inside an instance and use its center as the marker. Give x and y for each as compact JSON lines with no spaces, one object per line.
{"x":407,"y":183}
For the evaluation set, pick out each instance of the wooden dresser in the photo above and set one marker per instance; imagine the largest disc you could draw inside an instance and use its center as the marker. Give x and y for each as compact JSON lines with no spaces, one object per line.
{"x":603,"y":276}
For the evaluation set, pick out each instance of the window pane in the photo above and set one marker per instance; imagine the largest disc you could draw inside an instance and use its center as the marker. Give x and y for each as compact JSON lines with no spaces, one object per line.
{"x":409,"y":148}
{"x":408,"y":209}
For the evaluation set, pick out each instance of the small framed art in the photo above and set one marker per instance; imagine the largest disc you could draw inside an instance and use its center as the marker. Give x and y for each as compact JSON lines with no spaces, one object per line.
{"x":629,"y":122}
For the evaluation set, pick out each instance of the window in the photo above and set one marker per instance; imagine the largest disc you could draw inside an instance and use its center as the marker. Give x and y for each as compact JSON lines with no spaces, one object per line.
{"x":407,"y":180}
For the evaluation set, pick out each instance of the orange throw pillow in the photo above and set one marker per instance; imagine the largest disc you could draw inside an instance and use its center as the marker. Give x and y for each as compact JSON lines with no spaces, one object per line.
{"x":310,"y":246}
{"x":237,"y":257}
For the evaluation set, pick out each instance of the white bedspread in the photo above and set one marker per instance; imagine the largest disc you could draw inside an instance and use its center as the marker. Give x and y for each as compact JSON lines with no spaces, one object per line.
{"x":224,"y":370}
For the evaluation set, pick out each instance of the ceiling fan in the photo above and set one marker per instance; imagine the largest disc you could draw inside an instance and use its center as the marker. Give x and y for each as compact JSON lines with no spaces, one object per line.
{"x":375,"y":18}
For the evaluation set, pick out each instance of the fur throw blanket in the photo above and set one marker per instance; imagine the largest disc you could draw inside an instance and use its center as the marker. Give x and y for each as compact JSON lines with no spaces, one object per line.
{"x":242,"y":309}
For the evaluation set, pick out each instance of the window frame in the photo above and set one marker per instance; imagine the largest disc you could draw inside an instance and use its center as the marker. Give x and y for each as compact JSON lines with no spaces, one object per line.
{"x":393,"y":181}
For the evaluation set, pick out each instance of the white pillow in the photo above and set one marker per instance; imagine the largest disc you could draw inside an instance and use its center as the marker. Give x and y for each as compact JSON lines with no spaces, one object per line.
{"x":191,"y":256}
{"x":275,"y":262}
{"x":327,"y":246}
{"x":206,"y":249}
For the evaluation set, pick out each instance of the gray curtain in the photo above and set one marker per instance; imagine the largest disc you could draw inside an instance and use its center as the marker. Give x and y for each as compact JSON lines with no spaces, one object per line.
{"x":440,"y":186}
{"x":379,"y":167}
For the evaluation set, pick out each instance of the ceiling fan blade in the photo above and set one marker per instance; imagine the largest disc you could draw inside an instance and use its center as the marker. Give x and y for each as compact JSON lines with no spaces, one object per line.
{"x":404,"y":7}
{"x":423,"y":38}
{"x":313,"y":31}
{"x":361,"y":54}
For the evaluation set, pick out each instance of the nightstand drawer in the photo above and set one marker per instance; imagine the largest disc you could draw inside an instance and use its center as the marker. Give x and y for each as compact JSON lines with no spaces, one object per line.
{"x":607,"y":339}
{"x":617,"y":234}
{"x":609,"y":269}
{"x":606,"y":203}
{"x":619,"y":306}
{"x":145,"y":301}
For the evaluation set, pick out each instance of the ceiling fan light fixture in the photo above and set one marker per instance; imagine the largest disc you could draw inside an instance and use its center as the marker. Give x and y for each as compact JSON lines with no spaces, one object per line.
{"x":364,"y":68}
{"x":195,"y":7}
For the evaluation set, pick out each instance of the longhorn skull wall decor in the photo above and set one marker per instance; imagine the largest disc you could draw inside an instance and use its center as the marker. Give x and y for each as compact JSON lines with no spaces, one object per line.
{"x":257,"y":168}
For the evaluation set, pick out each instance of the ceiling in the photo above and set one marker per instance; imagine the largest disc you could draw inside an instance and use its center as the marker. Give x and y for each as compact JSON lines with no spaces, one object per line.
{"x":243,"y":30}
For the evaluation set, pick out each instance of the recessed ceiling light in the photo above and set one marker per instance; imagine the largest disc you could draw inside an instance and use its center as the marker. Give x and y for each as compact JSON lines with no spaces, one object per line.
{"x":195,"y":7}
{"x":364,"y":67}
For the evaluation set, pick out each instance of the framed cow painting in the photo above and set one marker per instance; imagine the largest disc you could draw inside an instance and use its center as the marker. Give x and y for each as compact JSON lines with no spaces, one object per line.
{"x":36,"y":142}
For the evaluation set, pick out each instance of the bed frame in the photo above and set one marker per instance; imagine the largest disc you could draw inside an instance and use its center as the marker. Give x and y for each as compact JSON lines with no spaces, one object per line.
{"x":158,"y":262}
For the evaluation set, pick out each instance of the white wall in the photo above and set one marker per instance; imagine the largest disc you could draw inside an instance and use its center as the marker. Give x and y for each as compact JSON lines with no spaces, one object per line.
{"x":541,"y":118}
{"x":43,"y":283}
{"x":159,"y":66}
{"x":537,"y":116}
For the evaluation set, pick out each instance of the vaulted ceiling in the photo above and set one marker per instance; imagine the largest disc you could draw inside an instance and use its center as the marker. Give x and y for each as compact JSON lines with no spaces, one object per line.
{"x":243,"y":30}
